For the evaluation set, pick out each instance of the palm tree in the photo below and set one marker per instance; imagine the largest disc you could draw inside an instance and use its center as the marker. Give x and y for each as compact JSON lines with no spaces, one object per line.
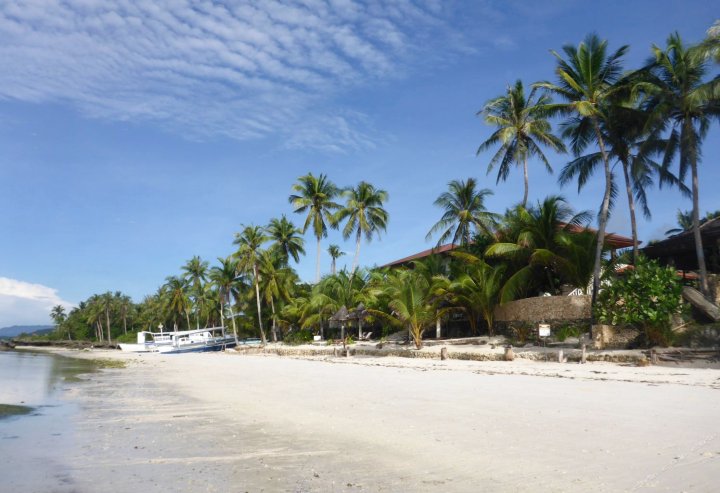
{"x":539,"y":246}
{"x":286,"y":238}
{"x":124,"y":304}
{"x":685,"y":222}
{"x":227,"y":280}
{"x":411,"y":302}
{"x":631,"y":138}
{"x":521,"y":126}
{"x":335,"y":253}
{"x":464,"y":211}
{"x":58,"y":314}
{"x":477,"y":290}
{"x":178,"y":302}
{"x":315,"y":196}
{"x":277,"y":284}
{"x":249,"y":254}
{"x":679,"y":95}
{"x":587,"y":82}
{"x":196,"y":271}
{"x":364,"y":213}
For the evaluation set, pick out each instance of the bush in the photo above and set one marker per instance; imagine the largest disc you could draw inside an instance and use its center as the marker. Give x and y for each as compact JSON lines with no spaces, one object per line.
{"x":565,"y":331}
{"x":646,"y":298}
{"x":297,"y":337}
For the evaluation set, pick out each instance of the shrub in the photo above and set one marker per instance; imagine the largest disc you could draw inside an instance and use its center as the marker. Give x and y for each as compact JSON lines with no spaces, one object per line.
{"x":565,"y":331}
{"x":646,"y":298}
{"x":297,"y":337}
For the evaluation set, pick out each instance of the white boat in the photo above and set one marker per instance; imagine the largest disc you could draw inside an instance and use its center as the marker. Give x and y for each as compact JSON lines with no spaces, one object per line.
{"x":148,"y":342}
{"x":194,"y":341}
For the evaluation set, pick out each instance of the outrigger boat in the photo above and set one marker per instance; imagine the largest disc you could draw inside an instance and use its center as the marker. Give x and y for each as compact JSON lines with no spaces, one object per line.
{"x":148,"y":342}
{"x":195,"y":341}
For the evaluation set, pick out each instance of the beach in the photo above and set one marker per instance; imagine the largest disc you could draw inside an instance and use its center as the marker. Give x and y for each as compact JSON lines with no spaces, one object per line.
{"x":230,"y":422}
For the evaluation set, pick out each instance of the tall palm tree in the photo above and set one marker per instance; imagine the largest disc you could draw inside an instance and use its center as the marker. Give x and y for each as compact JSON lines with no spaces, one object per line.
{"x":178,"y":302}
{"x":464,"y":211}
{"x":522,"y":126}
{"x":249,"y":254}
{"x":286,"y":238}
{"x":335,"y":253}
{"x":196,"y":271}
{"x":587,"y":82}
{"x":124,"y":305}
{"x":315,"y":195}
{"x":227,"y":280}
{"x":680,"y":95}
{"x":364,"y":214}
{"x":685,"y":222}
{"x":632,"y":139}
{"x":277,"y":283}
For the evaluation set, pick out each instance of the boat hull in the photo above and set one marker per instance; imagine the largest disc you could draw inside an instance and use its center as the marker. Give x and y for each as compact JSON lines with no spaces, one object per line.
{"x":199,"y":347}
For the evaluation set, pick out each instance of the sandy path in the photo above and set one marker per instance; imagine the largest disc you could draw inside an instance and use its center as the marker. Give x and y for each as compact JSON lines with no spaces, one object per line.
{"x":221,"y":422}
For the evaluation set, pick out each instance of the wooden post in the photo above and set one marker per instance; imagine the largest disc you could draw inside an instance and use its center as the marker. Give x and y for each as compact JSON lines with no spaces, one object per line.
{"x":560,"y":356}
{"x":347,"y":352}
{"x":438,"y":328}
{"x":509,"y":355}
{"x":653,"y":357}
{"x":583,"y":358}
{"x":443,"y":353}
{"x":335,"y":351}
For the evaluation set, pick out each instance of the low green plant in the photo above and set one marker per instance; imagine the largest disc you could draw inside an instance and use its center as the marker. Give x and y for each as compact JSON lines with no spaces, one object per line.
{"x":297,"y":337}
{"x":646,"y":297}
{"x":568,"y":330}
{"x":521,"y":332}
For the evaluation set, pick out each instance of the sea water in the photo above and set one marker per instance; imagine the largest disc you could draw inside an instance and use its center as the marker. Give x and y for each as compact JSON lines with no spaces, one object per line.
{"x":37,"y":432}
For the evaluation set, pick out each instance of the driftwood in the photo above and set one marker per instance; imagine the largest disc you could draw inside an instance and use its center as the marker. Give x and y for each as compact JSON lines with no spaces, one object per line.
{"x":696,"y":299}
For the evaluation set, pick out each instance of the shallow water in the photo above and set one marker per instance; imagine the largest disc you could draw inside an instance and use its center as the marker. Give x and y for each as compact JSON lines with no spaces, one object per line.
{"x":32,"y":444}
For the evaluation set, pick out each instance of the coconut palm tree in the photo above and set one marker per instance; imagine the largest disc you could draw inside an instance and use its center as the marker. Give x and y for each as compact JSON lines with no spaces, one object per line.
{"x":286,"y":238}
{"x":522,"y":126}
{"x":124,"y":305}
{"x":227,"y":279}
{"x":315,"y":195}
{"x":538,"y":245}
{"x":411,"y":302}
{"x":176,"y":295}
{"x":335,"y":253}
{"x":195,"y":271}
{"x":464,"y":211}
{"x":632,"y":140}
{"x":587,"y":82}
{"x":249,"y":255}
{"x":278,"y":281}
{"x":364,"y":214}
{"x":679,"y":94}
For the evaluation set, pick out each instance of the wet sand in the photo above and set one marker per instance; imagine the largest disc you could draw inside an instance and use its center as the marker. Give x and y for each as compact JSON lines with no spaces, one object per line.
{"x":225,"y":422}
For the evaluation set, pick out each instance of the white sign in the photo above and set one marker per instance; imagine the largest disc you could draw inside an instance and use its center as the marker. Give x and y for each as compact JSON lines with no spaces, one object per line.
{"x":544,"y":330}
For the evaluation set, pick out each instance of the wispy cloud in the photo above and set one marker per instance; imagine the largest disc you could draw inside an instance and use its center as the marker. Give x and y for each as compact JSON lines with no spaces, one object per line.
{"x":24,"y":303}
{"x":244,"y":70}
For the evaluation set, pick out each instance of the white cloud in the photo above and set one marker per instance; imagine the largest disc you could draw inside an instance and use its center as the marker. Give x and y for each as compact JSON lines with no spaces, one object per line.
{"x":244,"y":70}
{"x":24,"y":303}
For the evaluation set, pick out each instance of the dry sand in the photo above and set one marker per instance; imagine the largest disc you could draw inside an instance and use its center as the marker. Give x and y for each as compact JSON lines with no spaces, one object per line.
{"x":226,"y":422}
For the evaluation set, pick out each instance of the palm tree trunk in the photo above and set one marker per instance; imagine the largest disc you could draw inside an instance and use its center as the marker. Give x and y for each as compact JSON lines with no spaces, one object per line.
{"x":107,"y":318}
{"x":332,"y":266}
{"x":187,"y":317}
{"x":125,"y":323}
{"x":232,"y":317}
{"x":525,"y":171}
{"x":257,"y":299}
{"x":602,"y":222}
{"x":631,"y":205}
{"x":696,"y":229}
{"x":317,"y":262}
{"x":357,"y":251}
{"x":274,"y":326}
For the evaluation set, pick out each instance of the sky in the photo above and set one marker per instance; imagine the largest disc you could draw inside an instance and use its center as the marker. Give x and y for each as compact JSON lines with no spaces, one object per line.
{"x":136,"y":134}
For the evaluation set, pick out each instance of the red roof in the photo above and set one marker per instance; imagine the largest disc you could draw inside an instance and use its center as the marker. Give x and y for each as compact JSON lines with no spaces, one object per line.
{"x":614,"y":241}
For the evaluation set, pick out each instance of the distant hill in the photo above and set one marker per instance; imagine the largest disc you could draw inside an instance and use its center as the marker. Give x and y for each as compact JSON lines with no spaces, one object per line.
{"x":15,"y":330}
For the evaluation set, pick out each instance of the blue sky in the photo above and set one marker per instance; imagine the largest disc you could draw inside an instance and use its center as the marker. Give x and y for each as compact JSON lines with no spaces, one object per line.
{"x":134,"y":135}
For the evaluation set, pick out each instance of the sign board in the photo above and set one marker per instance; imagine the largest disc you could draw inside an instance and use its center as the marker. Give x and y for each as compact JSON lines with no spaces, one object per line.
{"x":544,"y":330}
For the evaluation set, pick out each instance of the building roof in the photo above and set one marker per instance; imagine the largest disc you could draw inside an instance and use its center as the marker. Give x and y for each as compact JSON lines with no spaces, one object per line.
{"x":614,"y":241}
{"x":679,"y":249}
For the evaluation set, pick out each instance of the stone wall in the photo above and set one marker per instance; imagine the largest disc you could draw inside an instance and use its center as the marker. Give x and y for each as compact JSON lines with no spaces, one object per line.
{"x":612,"y":337}
{"x":545,"y":309}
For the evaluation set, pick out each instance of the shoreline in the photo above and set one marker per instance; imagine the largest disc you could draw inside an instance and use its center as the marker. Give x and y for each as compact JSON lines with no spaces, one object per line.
{"x":221,"y":422}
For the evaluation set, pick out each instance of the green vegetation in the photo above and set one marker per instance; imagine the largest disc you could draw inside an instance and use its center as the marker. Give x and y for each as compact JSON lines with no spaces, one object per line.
{"x":13,"y":410}
{"x":646,"y":297}
{"x":645,"y":123}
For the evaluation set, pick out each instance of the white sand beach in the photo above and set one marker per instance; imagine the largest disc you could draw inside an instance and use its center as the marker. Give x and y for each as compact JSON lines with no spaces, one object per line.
{"x":228,"y":422}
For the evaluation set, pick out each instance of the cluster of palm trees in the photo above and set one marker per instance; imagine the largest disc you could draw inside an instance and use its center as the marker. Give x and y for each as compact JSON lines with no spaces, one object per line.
{"x":636,"y":121}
